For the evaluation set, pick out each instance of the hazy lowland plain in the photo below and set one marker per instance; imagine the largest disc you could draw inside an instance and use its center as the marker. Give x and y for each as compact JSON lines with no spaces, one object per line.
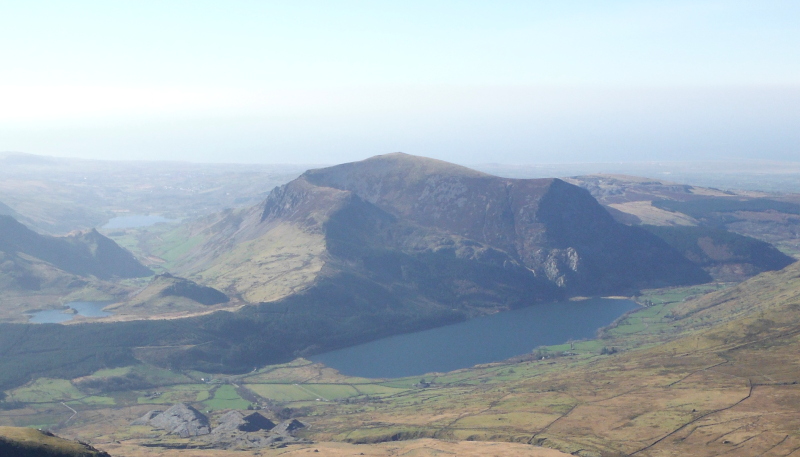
{"x":218,"y":308}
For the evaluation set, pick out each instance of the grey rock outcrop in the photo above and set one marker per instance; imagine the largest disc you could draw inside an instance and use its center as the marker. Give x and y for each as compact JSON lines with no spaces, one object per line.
{"x":182,"y":420}
{"x":235,"y":421}
{"x":288,"y":427}
{"x":239,"y":431}
{"x":145,"y":420}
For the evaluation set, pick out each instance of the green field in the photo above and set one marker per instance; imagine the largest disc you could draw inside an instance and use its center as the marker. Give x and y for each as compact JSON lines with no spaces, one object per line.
{"x":45,"y":390}
{"x":225,"y":397}
{"x":282,"y":392}
{"x":180,"y":393}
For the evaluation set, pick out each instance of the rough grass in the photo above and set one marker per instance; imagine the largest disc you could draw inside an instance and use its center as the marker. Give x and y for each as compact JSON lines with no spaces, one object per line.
{"x":280,"y":262}
{"x":282,"y":392}
{"x":182,"y":393}
{"x":412,"y":448}
{"x":27,"y":442}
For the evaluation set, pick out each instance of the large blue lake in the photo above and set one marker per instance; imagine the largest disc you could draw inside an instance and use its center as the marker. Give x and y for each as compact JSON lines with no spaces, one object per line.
{"x":484,"y":339}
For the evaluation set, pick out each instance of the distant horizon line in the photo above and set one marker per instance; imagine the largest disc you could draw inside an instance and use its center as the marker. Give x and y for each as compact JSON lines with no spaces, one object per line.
{"x":7,"y":154}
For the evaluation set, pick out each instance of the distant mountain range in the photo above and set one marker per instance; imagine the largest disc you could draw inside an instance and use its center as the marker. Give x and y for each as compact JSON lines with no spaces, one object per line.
{"x":770,"y":217}
{"x":80,"y":253}
{"x":34,"y":263}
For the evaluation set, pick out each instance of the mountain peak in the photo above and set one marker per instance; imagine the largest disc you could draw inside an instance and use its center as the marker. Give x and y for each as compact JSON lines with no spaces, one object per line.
{"x":395,"y":166}
{"x":426,"y":164}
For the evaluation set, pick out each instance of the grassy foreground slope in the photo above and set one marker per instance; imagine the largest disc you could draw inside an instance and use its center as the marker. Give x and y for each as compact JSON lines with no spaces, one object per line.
{"x":28,"y":442}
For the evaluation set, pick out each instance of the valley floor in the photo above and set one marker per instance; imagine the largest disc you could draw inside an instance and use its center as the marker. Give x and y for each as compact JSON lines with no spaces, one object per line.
{"x":690,"y":374}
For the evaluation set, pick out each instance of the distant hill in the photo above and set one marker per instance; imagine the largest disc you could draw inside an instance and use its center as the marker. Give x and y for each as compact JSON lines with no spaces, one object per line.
{"x":5,"y":210}
{"x":80,"y":253}
{"x":167,"y":294}
{"x":726,"y":256}
{"x":398,"y":219}
{"x":56,"y":195}
{"x":769,"y":217}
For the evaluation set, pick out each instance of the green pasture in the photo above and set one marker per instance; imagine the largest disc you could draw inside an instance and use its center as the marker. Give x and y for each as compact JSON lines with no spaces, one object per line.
{"x":46,"y":390}
{"x":180,"y":393}
{"x":225,"y":397}
{"x":282,"y":392}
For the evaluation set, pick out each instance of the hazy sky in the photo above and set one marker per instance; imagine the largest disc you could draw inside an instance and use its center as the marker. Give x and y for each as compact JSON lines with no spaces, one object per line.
{"x":467,"y":81}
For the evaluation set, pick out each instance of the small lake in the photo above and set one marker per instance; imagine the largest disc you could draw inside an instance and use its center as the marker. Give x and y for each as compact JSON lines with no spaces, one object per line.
{"x":82,"y":308}
{"x":135,"y":220}
{"x":481,"y":340}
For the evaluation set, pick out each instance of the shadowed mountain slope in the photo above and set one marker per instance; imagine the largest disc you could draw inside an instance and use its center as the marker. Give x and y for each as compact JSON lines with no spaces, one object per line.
{"x":725,"y":255}
{"x":555,"y":229}
{"x":6,"y":210}
{"x":167,"y":294}
{"x":80,"y":253}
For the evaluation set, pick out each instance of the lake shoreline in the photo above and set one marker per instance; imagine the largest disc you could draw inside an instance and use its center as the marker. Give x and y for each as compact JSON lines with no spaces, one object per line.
{"x":485,"y":339}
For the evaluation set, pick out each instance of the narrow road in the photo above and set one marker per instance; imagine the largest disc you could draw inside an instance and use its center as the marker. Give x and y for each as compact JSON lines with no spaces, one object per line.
{"x":74,"y":413}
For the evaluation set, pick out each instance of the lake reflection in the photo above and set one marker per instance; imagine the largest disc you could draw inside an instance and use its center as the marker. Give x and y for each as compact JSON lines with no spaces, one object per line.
{"x":481,"y":340}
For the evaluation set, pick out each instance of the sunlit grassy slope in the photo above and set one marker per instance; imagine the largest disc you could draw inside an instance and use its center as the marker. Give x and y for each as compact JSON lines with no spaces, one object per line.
{"x":28,"y":442}
{"x":283,"y":260}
